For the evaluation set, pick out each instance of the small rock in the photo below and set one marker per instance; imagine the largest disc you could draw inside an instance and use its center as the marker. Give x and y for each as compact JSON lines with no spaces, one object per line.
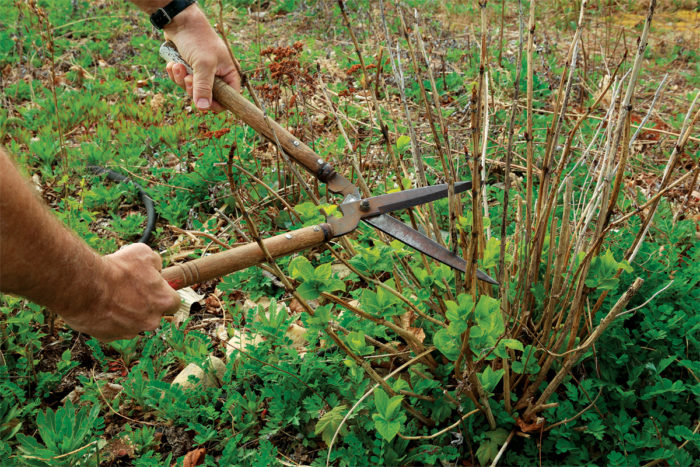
{"x":221,"y":332}
{"x":264,"y":302}
{"x":249,"y":305}
{"x":74,"y":395}
{"x":297,"y":334}
{"x":36,"y":180}
{"x":111,"y":390}
{"x":241,"y":340}
{"x":211,"y":378}
{"x":258,"y":15}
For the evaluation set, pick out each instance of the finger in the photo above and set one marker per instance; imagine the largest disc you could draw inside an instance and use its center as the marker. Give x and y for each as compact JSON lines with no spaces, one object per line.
{"x":232,"y":79}
{"x":157,"y":261}
{"x":188,"y":84}
{"x":132,"y":250}
{"x":179,"y":75}
{"x":151,"y":324}
{"x":169,"y":70}
{"x":174,"y":302}
{"x":203,"y":80}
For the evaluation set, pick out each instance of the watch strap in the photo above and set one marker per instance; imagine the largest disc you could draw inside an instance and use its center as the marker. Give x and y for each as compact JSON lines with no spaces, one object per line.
{"x":163,"y":16}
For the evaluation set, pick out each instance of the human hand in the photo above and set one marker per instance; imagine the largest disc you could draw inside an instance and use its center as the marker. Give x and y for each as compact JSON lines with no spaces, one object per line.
{"x":207,"y":54}
{"x":133,"y":299}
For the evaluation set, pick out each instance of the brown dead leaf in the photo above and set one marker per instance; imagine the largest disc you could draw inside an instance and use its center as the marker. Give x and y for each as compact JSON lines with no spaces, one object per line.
{"x":60,"y":79}
{"x":171,"y":160}
{"x":418,"y":332}
{"x":157,"y":102}
{"x":212,"y":303}
{"x":195,"y":457}
{"x":81,"y":72}
{"x":525,"y":427}
{"x":295,"y":307}
{"x":119,"y":447}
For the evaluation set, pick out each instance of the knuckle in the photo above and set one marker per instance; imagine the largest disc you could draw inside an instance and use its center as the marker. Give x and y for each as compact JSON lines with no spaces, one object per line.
{"x":152,"y":324}
{"x":174,"y":303}
{"x":204,"y":63}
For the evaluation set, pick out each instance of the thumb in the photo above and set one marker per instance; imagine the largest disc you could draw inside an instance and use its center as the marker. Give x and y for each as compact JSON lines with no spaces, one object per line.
{"x":203,"y":81}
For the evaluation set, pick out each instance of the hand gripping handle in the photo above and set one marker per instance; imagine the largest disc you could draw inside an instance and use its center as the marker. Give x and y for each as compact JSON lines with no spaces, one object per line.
{"x":232,"y":100}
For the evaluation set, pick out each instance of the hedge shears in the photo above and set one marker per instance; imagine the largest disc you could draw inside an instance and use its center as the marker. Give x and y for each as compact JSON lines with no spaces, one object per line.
{"x":373,"y":210}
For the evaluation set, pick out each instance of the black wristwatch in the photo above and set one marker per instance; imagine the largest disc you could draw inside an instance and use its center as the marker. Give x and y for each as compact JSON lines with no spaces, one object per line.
{"x":163,"y":16}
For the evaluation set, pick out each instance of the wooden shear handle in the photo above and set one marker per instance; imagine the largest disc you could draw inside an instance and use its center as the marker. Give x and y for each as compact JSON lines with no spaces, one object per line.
{"x":231,"y":100}
{"x":244,"y":256}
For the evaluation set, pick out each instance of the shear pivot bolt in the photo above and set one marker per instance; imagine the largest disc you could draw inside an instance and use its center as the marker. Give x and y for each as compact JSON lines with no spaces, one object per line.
{"x":364,"y":205}
{"x":296,"y":143}
{"x":288,"y":236}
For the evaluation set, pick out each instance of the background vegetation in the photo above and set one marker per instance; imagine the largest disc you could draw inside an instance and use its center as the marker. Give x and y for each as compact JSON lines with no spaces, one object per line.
{"x":586,"y":354}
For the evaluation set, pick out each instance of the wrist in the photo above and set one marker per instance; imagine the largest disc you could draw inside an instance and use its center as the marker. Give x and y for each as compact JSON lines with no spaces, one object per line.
{"x":88,"y":289}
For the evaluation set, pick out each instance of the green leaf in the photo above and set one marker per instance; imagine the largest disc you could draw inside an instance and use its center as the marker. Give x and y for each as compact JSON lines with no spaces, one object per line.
{"x":378,"y":258}
{"x":392,"y":407}
{"x":489,"y":448}
{"x":489,"y":378}
{"x":491,"y":253}
{"x":311,"y":214}
{"x":403,"y":142}
{"x":314,"y":281}
{"x":507,"y":344}
{"x":381,"y":400}
{"x":456,"y":328}
{"x":489,"y":324}
{"x":308,"y":291}
{"x":329,"y":422}
{"x":300,"y":268}
{"x":380,"y":302}
{"x":447,"y":343}
{"x":388,"y":429}
{"x":460,"y":310}
{"x":323,"y":272}
{"x":388,"y":421}
{"x":321,"y":316}
{"x":423,"y":276}
{"x":528,"y":357}
{"x":662,"y":387}
{"x":601,"y":274}
{"x":356,"y":342}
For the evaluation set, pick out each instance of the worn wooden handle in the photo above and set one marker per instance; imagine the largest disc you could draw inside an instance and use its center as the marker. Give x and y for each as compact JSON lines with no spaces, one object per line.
{"x":244,"y":256}
{"x":231,"y":100}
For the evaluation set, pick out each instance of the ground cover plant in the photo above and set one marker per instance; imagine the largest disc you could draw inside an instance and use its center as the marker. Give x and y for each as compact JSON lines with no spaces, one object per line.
{"x":576,"y":122}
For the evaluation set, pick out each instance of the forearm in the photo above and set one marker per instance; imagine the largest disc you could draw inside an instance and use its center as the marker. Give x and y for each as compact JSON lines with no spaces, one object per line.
{"x":39,"y":258}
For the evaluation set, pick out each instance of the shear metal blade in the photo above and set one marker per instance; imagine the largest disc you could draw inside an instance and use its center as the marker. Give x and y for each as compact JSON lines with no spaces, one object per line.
{"x":402,"y":232}
{"x":405,"y":199}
